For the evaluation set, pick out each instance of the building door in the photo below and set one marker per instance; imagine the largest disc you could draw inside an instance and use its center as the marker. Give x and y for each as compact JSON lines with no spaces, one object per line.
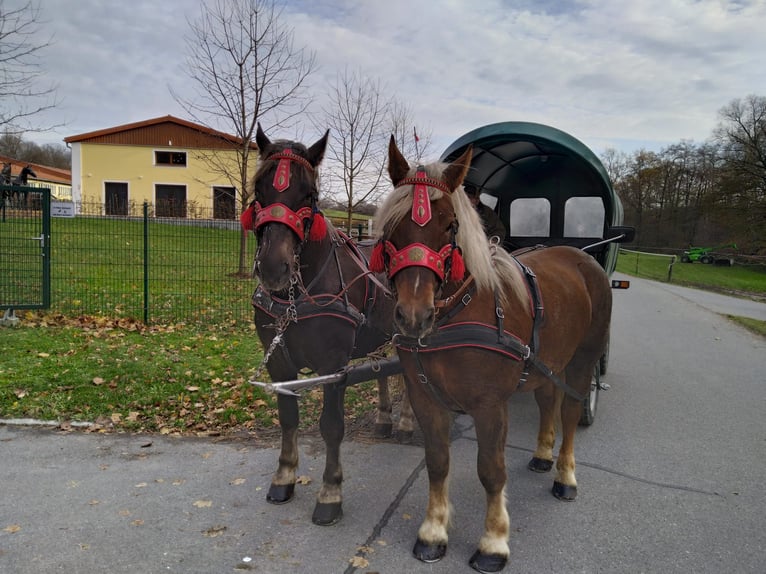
{"x":116,"y":198}
{"x":171,"y":200}
{"x":224,"y":203}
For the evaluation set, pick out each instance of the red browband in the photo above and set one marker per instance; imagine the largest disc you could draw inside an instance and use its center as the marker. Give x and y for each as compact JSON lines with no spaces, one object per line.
{"x":282,"y":174}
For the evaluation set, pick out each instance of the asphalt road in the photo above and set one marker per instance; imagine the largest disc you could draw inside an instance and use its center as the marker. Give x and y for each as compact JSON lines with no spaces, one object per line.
{"x":671,"y":479}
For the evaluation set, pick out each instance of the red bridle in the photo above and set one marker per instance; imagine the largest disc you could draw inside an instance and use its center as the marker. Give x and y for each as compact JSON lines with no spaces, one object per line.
{"x":418,"y":254}
{"x":279,"y":212}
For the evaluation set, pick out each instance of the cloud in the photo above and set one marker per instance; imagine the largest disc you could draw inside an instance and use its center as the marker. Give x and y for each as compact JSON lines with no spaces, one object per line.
{"x":647,"y":73}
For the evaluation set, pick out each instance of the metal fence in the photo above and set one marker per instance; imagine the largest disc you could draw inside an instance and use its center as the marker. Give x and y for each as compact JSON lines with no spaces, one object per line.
{"x":153,"y":269}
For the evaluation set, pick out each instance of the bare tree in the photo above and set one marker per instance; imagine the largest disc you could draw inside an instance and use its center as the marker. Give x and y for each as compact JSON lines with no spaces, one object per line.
{"x":23,"y":92}
{"x":246,"y":69}
{"x":412,"y":143}
{"x":357,"y":115}
{"x":741,"y":134}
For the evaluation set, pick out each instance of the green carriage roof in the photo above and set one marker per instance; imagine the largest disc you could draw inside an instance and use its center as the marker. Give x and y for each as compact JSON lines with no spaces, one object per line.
{"x":519,"y":155}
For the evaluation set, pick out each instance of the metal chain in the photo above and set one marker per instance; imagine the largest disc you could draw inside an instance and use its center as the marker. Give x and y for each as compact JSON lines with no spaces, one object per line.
{"x":281,"y":324}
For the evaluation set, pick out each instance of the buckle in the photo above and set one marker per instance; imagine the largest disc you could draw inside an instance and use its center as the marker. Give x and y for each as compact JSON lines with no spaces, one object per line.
{"x":466,"y":299}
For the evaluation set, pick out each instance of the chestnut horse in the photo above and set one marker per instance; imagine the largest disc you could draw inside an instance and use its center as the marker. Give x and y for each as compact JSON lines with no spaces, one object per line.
{"x":468,"y":339}
{"x":316,"y":307}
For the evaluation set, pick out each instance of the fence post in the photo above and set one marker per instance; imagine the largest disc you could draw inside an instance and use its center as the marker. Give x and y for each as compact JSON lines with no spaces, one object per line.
{"x":670,"y":269}
{"x":146,"y":263}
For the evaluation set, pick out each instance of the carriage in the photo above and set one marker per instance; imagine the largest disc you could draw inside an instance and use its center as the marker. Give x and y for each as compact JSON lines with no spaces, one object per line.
{"x":471,"y":323}
{"x":548,"y":188}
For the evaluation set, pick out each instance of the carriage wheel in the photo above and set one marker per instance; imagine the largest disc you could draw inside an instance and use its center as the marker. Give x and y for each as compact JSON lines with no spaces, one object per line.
{"x":590,"y":403}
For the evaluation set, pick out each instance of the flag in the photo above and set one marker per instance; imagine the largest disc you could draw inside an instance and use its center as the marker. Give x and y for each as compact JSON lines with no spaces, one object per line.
{"x":415,"y":132}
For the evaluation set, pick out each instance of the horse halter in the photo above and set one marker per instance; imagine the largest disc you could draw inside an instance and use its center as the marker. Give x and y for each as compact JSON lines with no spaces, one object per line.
{"x":307,"y":217}
{"x":386,"y":257}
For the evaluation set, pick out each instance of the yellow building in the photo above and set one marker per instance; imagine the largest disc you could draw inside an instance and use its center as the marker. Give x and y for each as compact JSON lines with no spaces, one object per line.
{"x":180,"y":168}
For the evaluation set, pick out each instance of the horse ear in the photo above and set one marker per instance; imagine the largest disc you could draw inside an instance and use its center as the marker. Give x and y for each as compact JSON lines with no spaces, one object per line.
{"x":261,"y":140}
{"x":316,"y":151}
{"x":398,"y":167}
{"x":455,"y":172}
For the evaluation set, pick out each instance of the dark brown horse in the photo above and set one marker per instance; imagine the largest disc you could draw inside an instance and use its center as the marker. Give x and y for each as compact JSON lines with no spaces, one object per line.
{"x":317,"y":306}
{"x":468,"y":339}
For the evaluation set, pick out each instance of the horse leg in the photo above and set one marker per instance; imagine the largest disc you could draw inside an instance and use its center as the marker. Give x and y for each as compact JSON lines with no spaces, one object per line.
{"x":283,"y":482}
{"x":578,"y":374}
{"x":542,"y":459}
{"x":328,"y":509}
{"x":406,"y":427}
{"x":431,"y":544}
{"x":383,"y":421}
{"x":491,"y":432}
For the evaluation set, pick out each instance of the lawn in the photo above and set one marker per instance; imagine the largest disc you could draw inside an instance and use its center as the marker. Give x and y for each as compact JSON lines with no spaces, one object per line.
{"x":739,"y":279}
{"x":121,"y":374}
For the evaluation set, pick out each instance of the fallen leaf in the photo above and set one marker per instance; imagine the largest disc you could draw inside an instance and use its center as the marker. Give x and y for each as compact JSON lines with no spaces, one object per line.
{"x":141,"y":485}
{"x":303,"y":480}
{"x":237,"y":481}
{"x":43,"y":355}
{"x":20,"y":393}
{"x":359,"y":562}
{"x":203,"y":503}
{"x":192,"y":389}
{"x":12,"y":529}
{"x":137,"y":522}
{"x":406,"y":516}
{"x":214,"y":531}
{"x":98,"y":381}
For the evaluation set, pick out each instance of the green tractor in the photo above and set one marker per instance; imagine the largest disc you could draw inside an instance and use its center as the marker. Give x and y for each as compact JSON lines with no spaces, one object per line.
{"x":704,"y":254}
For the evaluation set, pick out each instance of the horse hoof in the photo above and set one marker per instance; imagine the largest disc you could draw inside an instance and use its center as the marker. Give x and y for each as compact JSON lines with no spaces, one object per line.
{"x":539,"y":465}
{"x":487,"y":562}
{"x":429,"y":552}
{"x":383,"y":430}
{"x":564,"y":491}
{"x":404,"y":437}
{"x":327,"y":513}
{"x":280,"y":493}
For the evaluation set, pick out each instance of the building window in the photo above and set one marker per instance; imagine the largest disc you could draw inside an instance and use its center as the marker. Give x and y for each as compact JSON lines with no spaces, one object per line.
{"x":177,"y":158}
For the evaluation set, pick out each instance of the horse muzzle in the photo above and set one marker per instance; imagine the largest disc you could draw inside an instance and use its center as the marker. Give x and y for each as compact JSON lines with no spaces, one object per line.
{"x":414,"y":321}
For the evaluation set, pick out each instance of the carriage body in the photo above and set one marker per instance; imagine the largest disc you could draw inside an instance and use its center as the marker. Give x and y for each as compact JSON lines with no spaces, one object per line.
{"x":547,"y":187}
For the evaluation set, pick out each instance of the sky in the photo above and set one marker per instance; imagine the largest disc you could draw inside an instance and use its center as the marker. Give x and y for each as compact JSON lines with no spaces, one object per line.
{"x":624,"y":75}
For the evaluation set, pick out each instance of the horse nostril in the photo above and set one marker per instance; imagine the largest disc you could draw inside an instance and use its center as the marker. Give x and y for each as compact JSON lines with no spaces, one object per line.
{"x":428,"y":318}
{"x":399,"y":316}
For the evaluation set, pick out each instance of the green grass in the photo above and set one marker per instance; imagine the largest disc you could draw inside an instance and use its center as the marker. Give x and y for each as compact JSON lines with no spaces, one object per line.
{"x":172,"y":378}
{"x":97,"y":267}
{"x":754,"y":325}
{"x":120,"y":374}
{"x":738,"y":279}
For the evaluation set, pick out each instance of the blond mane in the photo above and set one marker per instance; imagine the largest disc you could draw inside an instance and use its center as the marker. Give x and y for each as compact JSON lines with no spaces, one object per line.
{"x":492,"y":269}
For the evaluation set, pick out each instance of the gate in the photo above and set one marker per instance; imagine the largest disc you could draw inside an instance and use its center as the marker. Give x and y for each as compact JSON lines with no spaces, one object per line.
{"x":25,"y":249}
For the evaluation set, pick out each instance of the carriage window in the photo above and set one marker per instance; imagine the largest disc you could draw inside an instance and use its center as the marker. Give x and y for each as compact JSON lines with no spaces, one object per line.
{"x":488,"y":200}
{"x":170,"y":158}
{"x":530,"y":217}
{"x":584,"y":217}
